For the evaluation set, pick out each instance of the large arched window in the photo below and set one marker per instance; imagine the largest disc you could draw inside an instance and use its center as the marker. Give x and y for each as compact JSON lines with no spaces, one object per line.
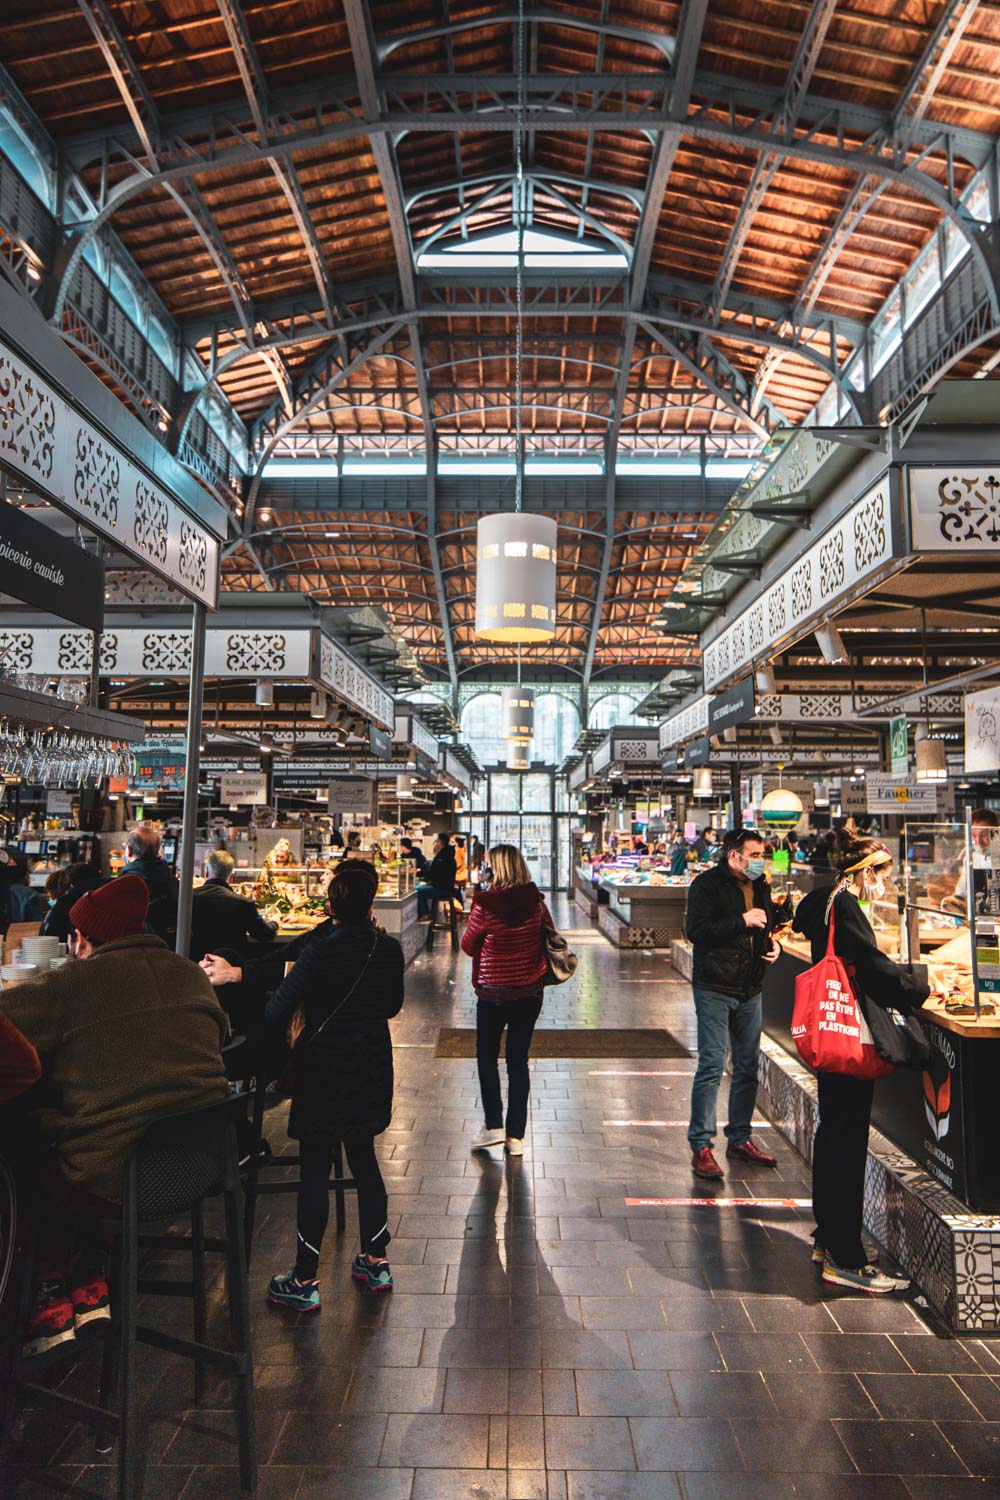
{"x":557,"y":726}
{"x":481,"y":728}
{"x":616,"y":708}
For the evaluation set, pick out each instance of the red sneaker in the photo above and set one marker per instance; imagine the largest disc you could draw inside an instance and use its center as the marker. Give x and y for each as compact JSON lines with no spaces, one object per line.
{"x":704,"y":1164}
{"x":750,"y":1151}
{"x":91,"y":1303}
{"x":51,"y":1321}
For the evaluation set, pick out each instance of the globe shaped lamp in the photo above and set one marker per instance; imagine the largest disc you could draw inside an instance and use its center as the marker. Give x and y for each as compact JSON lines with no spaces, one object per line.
{"x":780,"y":811}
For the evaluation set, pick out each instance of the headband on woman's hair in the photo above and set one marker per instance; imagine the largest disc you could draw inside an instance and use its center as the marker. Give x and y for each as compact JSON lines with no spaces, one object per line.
{"x":879,"y":856}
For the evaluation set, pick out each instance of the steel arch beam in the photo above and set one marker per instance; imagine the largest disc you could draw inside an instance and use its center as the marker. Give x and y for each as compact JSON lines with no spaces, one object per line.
{"x":533,"y":15}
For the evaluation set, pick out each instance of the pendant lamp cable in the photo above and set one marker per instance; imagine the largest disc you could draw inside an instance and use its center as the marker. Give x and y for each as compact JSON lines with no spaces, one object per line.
{"x":520,"y":210}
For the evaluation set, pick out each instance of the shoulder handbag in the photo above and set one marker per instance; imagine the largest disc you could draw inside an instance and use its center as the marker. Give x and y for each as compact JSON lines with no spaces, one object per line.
{"x":899,"y":1040}
{"x":828,"y":1025}
{"x":562,"y":961}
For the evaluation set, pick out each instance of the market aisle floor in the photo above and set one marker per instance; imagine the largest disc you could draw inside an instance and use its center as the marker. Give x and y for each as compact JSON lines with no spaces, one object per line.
{"x":545,"y":1338}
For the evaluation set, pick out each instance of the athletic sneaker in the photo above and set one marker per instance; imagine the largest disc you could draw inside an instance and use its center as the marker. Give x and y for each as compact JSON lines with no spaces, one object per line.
{"x":51,"y":1321}
{"x":89,"y":1296}
{"x":487,"y":1138}
{"x":288,"y":1291}
{"x":865,"y":1279}
{"x":515,"y":1146}
{"x":375,"y":1278}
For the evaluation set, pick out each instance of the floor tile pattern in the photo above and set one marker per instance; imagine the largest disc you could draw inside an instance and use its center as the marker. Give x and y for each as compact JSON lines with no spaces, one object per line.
{"x":546,"y":1341}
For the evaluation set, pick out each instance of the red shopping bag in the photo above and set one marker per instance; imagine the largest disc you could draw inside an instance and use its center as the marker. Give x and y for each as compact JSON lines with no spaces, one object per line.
{"x":828,"y":1026}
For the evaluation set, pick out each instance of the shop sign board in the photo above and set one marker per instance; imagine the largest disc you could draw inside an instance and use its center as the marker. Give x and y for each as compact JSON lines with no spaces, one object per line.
{"x":49,"y":572}
{"x":380,"y":743}
{"x":982,"y":731}
{"x":735,"y":706}
{"x":158,"y":766}
{"x":351,"y":796}
{"x":854,"y":549}
{"x":899,"y":756}
{"x":698,"y":752}
{"x":243,"y":788}
{"x":853,"y":798}
{"x":73,"y":464}
{"x":888,"y":794}
{"x":59,"y":804}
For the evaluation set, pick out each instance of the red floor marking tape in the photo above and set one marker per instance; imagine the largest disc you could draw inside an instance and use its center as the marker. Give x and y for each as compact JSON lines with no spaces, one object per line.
{"x":718,"y":1202}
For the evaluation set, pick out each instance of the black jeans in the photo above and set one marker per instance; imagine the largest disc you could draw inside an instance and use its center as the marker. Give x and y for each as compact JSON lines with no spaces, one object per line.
{"x":519,"y":1017}
{"x":314,"y":1199}
{"x":840,"y":1155}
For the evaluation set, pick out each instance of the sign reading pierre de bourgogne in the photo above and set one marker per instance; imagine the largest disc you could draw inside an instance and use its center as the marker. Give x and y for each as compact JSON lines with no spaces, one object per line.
{"x":41,"y":568}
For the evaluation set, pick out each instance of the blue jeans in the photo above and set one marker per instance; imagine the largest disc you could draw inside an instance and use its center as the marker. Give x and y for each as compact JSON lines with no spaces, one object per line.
{"x":725,"y":1021}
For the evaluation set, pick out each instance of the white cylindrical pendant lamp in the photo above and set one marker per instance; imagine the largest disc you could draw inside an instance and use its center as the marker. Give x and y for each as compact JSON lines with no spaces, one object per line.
{"x":932,"y":765}
{"x":518,"y":757}
{"x":702,"y":783}
{"x":404,"y":785}
{"x":516,"y":577}
{"x":518,"y":714}
{"x":264,"y":693}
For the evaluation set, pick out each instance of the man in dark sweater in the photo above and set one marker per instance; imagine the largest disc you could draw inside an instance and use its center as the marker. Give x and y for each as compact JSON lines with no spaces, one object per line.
{"x":126,"y":1033}
{"x":144,"y":848}
{"x":730,"y":919}
{"x":440,"y":877}
{"x":220,"y":918}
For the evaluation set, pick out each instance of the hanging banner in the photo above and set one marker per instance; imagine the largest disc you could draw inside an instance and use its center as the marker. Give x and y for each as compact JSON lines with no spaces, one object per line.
{"x":982,"y":731}
{"x":885,"y":794}
{"x":351,"y":796}
{"x":899,"y":758}
{"x":698,"y":752}
{"x":735,"y":706}
{"x":243,"y":789}
{"x":49,"y":572}
{"x":158,"y":766}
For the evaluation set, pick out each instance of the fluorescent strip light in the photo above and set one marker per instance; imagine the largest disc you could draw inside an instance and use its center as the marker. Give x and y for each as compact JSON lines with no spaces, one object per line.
{"x":319,"y":468}
{"x":477,"y":466}
{"x":382,"y":466}
{"x":563,"y":466}
{"x":727,"y":468}
{"x":658,"y":466}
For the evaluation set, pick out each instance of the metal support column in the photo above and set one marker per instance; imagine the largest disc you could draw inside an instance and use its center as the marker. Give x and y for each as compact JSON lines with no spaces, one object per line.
{"x":735,"y":796}
{"x":189,"y":816}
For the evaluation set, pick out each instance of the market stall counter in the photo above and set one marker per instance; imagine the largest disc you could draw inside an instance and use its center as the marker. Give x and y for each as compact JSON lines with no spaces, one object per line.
{"x":639,"y":905}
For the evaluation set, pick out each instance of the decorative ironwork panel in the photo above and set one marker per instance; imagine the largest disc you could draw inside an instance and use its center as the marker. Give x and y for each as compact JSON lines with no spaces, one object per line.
{"x":955,"y":509}
{"x":28,"y":416}
{"x":252,"y":651}
{"x":151,"y":522}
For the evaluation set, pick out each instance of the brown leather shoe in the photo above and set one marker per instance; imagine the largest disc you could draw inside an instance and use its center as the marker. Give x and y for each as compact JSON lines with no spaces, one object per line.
{"x":750,"y":1151}
{"x":704,"y":1164}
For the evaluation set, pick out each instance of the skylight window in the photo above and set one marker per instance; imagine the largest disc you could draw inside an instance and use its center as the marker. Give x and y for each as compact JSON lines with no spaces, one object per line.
{"x":542,"y":252}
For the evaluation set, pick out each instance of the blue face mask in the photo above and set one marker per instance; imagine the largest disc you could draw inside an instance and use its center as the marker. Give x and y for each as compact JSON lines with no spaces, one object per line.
{"x":755,"y":867}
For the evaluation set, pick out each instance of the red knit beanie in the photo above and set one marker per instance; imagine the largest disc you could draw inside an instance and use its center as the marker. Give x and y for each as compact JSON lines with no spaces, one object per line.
{"x":112,"y":911}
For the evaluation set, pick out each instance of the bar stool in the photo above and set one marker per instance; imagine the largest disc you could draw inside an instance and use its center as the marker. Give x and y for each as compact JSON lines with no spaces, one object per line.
{"x":181,"y":1161}
{"x":448,"y":902}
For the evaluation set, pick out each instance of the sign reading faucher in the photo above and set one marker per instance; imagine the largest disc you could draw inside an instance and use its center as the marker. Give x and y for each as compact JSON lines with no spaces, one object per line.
{"x":41,"y":568}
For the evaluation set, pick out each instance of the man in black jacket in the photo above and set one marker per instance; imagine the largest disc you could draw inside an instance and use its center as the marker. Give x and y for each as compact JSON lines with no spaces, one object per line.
{"x":440,"y":876}
{"x":220,"y":918}
{"x":730,"y":920}
{"x":144,"y":848}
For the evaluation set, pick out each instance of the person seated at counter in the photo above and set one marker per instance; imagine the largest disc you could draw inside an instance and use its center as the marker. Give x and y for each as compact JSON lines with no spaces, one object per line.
{"x":24,"y":902}
{"x":144,"y":848}
{"x":220,"y":917}
{"x":125,"y":1002}
{"x":409,"y":849}
{"x":706,"y":845}
{"x":79,"y":879}
{"x":440,"y":882}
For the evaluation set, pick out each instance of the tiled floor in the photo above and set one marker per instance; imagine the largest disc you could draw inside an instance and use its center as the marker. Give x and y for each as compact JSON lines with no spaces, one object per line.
{"x":545,"y":1339}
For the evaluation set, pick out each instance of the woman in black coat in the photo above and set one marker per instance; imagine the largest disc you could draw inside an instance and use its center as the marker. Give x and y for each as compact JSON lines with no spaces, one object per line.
{"x":840,"y":1149}
{"x":347,"y":986}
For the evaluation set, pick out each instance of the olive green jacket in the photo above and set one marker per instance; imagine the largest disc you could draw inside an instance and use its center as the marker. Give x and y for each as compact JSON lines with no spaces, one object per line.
{"x":125,"y":1036}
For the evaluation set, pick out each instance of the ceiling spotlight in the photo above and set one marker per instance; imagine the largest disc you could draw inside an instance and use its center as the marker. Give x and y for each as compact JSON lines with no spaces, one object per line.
{"x":264,"y":515}
{"x":317,"y":706}
{"x":264,"y":694}
{"x":765,"y":680}
{"x":331,"y":536}
{"x":266,"y":744}
{"x":775,"y":735}
{"x":831,"y":644}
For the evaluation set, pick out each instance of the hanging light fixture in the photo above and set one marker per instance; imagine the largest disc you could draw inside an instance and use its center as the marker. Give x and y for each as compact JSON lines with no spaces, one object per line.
{"x":317,"y":706}
{"x":766,"y":681}
{"x":831,"y":644}
{"x":404,"y":785}
{"x":518,"y":757}
{"x":264,"y":694}
{"x":518,"y":714}
{"x":701,"y":786}
{"x":516,"y":553}
{"x":780,"y":810}
{"x":932,"y":764}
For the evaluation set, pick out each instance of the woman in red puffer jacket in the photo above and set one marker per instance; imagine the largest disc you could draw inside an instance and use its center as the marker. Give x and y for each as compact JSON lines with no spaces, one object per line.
{"x":505,"y":940}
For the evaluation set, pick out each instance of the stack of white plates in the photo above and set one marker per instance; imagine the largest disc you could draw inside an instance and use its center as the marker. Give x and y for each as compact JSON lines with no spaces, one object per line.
{"x":17,"y":973}
{"x":57,"y":963}
{"x":39,"y":950}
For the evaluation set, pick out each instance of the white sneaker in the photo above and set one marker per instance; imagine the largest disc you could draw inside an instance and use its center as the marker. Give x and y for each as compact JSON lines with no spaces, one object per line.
{"x":515,"y":1147}
{"x":487,"y":1138}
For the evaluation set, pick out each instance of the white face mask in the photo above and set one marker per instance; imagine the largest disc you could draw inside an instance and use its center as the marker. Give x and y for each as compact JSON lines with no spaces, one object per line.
{"x":876,"y":889}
